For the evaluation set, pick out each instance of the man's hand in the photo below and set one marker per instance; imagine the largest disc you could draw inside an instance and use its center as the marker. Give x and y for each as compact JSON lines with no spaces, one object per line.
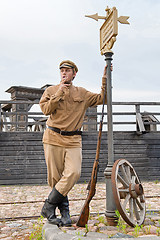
{"x":105,"y":70}
{"x":64,"y":84}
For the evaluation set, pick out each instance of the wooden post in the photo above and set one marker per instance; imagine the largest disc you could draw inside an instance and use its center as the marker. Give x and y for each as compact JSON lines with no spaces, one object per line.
{"x":139,"y":122}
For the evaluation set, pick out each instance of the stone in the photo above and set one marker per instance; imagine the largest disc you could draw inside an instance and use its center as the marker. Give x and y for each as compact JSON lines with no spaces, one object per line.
{"x":157,"y":224}
{"x":130,"y":233}
{"x":111,"y":228}
{"x":109,"y":233}
{"x":14,"y":234}
{"x":49,"y":228}
{"x":67,"y":228}
{"x":23,"y":227}
{"x":76,"y":232}
{"x":3,"y":235}
{"x":8,"y":238}
{"x":121,"y":235}
{"x":97,"y":235}
{"x":92,"y":222}
{"x":149,"y":237}
{"x":14,"y":224}
{"x":93,"y":228}
{"x":101,"y":225}
{"x":74,"y":219}
{"x":6,"y":228}
{"x":156,"y":218}
{"x":148,"y":222}
{"x":150,"y":229}
{"x":129,"y":229}
{"x":34,"y":193}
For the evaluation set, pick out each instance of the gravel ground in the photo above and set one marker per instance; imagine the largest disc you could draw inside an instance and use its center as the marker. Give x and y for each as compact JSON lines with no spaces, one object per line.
{"x":10,"y":196}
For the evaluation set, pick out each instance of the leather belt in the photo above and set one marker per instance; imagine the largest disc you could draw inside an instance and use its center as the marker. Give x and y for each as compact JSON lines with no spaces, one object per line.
{"x":65,"y":133}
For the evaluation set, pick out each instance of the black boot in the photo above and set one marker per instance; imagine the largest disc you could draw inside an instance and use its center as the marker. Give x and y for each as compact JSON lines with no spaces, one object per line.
{"x":64,"y":210}
{"x":54,"y":199}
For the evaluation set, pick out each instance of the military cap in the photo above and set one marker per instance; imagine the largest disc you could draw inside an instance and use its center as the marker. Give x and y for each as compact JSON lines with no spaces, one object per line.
{"x":68,"y":64}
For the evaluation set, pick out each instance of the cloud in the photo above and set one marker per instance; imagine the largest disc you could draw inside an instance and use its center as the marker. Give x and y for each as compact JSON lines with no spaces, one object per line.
{"x":35,"y":35}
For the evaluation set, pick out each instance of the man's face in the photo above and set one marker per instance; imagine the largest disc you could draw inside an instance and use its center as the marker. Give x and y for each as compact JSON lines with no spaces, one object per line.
{"x":67,"y":74}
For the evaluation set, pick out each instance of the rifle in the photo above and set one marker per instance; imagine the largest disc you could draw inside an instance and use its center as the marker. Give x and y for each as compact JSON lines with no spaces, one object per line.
{"x":83,"y":218}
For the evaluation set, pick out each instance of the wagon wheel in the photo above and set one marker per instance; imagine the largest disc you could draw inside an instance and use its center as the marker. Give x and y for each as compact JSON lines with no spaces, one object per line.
{"x":128,"y":193}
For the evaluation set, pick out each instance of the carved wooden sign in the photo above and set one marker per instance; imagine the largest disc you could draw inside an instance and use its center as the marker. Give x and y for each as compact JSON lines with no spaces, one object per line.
{"x":109,"y":29}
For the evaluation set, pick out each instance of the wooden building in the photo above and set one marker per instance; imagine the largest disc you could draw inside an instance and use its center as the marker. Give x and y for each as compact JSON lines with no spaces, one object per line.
{"x":21,"y":150}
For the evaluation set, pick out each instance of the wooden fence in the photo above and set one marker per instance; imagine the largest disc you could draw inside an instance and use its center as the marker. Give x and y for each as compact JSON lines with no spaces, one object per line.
{"x":22,"y":157}
{"x":21,"y":150}
{"x":141,"y":116}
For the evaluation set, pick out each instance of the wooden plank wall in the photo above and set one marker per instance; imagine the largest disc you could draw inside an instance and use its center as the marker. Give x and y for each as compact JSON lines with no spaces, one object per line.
{"x":142,"y":151}
{"x":22,"y":158}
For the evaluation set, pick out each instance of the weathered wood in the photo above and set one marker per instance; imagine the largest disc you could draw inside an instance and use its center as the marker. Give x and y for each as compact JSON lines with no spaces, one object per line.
{"x":20,"y":115}
{"x":23,"y":181}
{"x":22,"y":157}
{"x":140,"y":123}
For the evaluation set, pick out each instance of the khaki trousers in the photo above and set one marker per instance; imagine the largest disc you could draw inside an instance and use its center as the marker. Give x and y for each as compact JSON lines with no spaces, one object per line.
{"x":63,"y":167}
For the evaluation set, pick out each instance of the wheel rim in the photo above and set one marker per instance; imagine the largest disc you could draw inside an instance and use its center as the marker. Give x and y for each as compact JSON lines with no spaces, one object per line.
{"x":128,"y":193}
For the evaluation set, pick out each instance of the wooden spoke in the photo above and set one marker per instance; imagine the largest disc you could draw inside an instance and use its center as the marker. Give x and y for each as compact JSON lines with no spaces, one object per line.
{"x":136,"y":210}
{"x":133,"y":180}
{"x":125,"y":184}
{"x":131,"y":208}
{"x":126,"y":200}
{"x":125,"y":190}
{"x":124,"y":174}
{"x":139,"y":204}
{"x":128,"y":172}
{"x":127,"y":193}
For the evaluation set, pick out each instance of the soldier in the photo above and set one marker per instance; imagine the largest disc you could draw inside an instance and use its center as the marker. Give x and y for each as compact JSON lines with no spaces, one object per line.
{"x":66,"y":105}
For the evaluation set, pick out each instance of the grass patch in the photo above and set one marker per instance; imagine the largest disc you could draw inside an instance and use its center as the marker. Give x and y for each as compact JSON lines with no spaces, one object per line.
{"x":37,"y":230}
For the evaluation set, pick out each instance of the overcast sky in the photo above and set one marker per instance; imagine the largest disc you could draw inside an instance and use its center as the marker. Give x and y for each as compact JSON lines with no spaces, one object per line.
{"x":36,"y":35}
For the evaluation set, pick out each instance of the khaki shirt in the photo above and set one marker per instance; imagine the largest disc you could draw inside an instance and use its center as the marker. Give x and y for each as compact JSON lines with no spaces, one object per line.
{"x":66,"y":111}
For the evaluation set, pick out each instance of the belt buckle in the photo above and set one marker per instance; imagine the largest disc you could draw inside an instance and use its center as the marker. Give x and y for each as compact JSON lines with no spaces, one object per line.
{"x":62,"y":132}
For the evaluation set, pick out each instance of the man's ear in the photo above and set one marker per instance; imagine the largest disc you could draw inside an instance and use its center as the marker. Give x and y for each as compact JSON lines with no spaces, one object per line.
{"x":74,"y":74}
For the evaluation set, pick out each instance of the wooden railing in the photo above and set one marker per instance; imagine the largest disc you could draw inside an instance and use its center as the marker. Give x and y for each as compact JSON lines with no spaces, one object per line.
{"x":136,"y":116}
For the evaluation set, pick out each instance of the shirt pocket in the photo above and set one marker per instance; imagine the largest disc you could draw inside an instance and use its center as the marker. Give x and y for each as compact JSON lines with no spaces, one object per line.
{"x":78,"y":104}
{"x":61,"y":105}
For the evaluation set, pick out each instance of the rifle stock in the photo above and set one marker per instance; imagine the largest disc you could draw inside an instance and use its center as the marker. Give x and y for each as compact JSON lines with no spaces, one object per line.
{"x":83,"y":218}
